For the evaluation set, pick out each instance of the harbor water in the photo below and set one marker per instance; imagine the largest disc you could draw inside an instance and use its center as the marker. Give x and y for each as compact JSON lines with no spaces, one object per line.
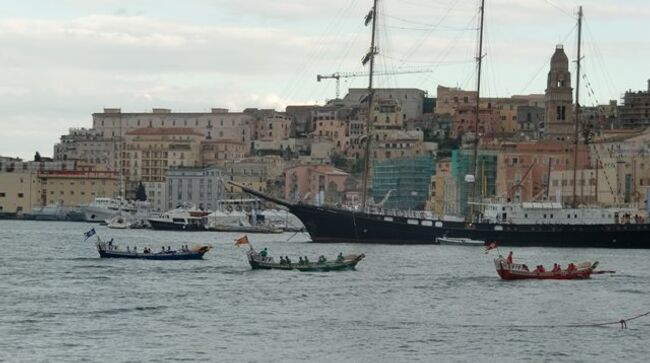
{"x":60,"y":303}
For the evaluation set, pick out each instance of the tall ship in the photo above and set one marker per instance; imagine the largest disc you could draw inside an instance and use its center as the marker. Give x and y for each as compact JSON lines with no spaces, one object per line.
{"x":544,"y":224}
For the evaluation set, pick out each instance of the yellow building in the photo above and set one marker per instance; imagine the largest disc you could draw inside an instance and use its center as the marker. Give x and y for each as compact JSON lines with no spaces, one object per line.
{"x":217,"y":152}
{"x":74,"y":187}
{"x":19,"y":191}
{"x":149,"y":152}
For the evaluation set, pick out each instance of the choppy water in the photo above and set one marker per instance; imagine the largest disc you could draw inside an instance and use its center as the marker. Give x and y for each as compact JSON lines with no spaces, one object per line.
{"x":60,"y":302}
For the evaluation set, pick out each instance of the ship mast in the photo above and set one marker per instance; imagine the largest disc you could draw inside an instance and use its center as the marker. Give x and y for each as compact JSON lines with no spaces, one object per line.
{"x":479,"y":61}
{"x":369,"y":58}
{"x":576,"y":141}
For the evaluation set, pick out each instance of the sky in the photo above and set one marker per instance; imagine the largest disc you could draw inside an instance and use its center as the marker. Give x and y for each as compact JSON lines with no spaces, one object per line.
{"x":62,"y":60}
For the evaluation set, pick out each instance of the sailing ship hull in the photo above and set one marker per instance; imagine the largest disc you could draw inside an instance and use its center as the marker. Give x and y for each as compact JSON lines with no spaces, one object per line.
{"x":333,"y":225}
{"x":327,"y":224}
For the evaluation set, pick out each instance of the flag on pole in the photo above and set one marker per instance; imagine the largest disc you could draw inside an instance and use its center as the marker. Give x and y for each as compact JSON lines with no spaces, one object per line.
{"x":89,"y":234}
{"x":490,"y":246}
{"x":241,"y":241}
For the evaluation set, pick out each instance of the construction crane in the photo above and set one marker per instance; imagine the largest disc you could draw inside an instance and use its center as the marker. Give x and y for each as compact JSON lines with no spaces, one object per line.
{"x":338,"y":75}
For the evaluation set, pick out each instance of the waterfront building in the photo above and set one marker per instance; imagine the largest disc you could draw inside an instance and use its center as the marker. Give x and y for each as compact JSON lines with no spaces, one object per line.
{"x":156,"y":195}
{"x":402,"y":183}
{"x":202,"y":188}
{"x":19,"y":191}
{"x":272,"y":126}
{"x":635,"y":110}
{"x":559,"y":120}
{"x":336,"y":131}
{"x":449,"y":99}
{"x":70,"y":188}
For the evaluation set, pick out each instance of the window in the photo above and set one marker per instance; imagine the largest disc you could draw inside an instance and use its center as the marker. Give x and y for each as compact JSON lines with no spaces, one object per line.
{"x":21,"y":195}
{"x":2,"y":195}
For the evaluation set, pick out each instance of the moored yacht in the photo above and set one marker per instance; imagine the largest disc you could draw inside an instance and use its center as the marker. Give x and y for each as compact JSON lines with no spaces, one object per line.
{"x":180,"y":219}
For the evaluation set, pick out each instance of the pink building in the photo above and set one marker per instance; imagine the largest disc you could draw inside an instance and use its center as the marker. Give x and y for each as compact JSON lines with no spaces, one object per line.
{"x":306,"y":182}
{"x":523,"y":169}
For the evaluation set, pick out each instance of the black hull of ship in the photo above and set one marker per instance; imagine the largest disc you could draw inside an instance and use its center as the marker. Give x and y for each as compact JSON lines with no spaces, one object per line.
{"x":327,"y":224}
{"x":333,"y":225}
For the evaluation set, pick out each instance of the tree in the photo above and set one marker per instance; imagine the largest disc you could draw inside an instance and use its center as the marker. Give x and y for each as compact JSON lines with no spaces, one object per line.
{"x":37,"y":157}
{"x":140,"y":193}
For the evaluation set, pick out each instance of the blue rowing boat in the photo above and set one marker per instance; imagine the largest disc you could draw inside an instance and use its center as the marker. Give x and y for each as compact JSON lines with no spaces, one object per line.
{"x":111,"y":250}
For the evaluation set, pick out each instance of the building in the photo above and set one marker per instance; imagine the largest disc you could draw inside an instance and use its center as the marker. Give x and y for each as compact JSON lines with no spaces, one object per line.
{"x":409,"y":100}
{"x":19,"y":191}
{"x":531,"y":122}
{"x":448,"y":99}
{"x":149,"y":152}
{"x":218,"y":124}
{"x":635,"y":110}
{"x":402,"y":183}
{"x":74,"y":187}
{"x":320,"y":184}
{"x":559,"y":120}
{"x":217,"y":152}
{"x":201,"y":187}
{"x":484,"y":184}
{"x":524,"y":168}
{"x":273,"y":126}
{"x":88,"y":146}
{"x":257,"y":173}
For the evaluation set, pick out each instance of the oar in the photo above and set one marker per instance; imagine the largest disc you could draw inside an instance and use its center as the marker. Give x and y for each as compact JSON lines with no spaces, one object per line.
{"x":600,"y":272}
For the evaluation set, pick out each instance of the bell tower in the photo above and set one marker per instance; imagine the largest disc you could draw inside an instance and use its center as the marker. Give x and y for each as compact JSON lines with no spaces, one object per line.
{"x":559,"y":98}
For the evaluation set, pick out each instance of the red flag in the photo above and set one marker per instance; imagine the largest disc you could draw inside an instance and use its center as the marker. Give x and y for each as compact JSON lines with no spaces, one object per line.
{"x":241,"y":241}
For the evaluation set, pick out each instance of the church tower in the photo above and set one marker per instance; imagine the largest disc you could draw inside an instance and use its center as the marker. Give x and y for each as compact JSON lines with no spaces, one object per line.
{"x":559,"y":98}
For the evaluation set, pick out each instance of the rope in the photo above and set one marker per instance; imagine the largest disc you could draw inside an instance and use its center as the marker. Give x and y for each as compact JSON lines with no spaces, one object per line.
{"x":622,"y":323}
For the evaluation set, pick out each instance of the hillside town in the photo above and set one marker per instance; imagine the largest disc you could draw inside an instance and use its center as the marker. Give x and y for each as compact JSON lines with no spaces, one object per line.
{"x":421,"y":152}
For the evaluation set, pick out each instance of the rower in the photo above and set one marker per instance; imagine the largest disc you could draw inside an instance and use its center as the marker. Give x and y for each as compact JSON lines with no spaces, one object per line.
{"x":264,"y":252}
{"x":286,"y":258}
{"x":321,"y":259}
{"x":282,"y":260}
{"x":340,"y":258}
{"x":306,"y":259}
{"x":300,"y":260}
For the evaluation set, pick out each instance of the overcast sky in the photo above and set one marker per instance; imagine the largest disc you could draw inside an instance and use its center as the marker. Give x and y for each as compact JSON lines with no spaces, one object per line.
{"x":62,"y":60}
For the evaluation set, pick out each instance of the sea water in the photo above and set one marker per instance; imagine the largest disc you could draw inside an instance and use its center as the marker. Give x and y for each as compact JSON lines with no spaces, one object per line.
{"x":59,"y":302}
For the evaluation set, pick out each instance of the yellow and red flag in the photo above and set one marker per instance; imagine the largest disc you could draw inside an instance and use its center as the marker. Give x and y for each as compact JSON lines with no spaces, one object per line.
{"x":241,"y":241}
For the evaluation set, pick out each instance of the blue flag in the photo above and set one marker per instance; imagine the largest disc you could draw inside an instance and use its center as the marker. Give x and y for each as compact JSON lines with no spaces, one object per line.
{"x":89,"y":234}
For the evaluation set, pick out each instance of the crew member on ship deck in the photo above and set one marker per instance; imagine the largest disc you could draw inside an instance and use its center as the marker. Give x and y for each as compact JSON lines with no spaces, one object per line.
{"x":509,"y":258}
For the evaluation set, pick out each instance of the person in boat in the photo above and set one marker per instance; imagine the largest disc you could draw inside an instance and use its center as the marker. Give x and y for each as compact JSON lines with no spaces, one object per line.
{"x":135,"y":249}
{"x":340,"y":258}
{"x":509,"y":258}
{"x":128,"y":249}
{"x":524,"y":267}
{"x":571,"y":267}
{"x":286,"y":258}
{"x":541,"y":269}
{"x":282,"y":260}
{"x":322,"y":259}
{"x":300,"y":260}
{"x":169,"y":249}
{"x":264,"y":252}
{"x":306,"y":259}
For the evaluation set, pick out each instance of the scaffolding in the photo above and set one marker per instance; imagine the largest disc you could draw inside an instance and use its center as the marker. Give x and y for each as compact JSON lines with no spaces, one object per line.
{"x":402,"y":183}
{"x":461,"y":161}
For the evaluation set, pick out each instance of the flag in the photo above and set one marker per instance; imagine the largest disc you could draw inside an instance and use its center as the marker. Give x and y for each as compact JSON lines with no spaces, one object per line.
{"x":491,"y":246}
{"x":89,"y":234}
{"x":241,"y":241}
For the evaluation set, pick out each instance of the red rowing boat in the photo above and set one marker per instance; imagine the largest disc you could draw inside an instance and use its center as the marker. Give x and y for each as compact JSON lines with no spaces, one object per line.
{"x":516,"y":271}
